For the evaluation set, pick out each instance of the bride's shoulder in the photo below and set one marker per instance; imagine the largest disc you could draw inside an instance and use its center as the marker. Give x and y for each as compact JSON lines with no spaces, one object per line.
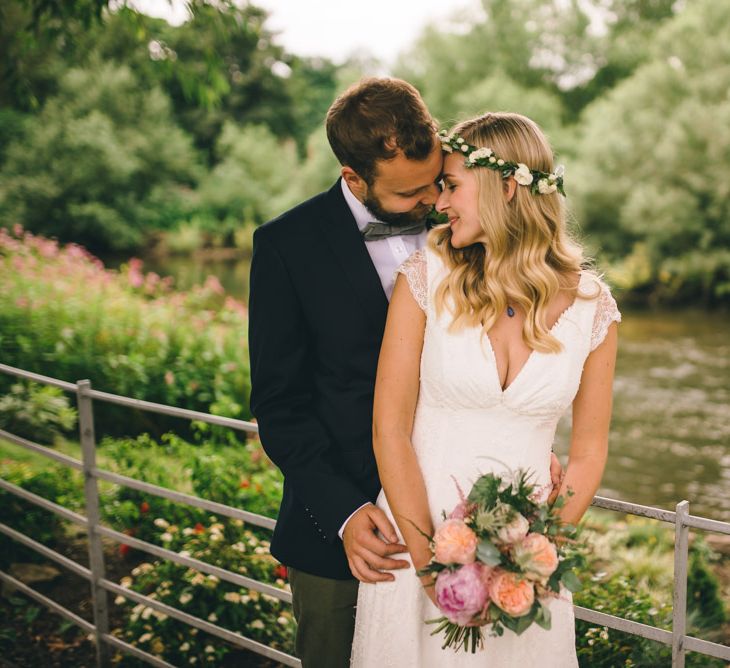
{"x":606,"y":311}
{"x":416,"y":273}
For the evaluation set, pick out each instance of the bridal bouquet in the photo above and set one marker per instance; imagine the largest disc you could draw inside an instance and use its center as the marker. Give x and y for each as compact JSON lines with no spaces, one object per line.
{"x":497,"y":558}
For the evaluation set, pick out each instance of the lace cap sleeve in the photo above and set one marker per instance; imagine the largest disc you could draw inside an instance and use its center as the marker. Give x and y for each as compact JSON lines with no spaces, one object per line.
{"x":414,"y":269}
{"x":606,"y":313}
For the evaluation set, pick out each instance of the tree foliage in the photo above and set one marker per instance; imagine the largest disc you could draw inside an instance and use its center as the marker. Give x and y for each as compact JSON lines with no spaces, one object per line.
{"x":652,"y":158}
{"x":100,"y":163}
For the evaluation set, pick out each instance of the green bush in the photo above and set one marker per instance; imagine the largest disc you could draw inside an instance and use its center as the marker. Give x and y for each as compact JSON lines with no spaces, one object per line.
{"x":55,"y":483}
{"x":237,"y":475}
{"x":229,"y":545}
{"x":36,"y":412}
{"x":62,"y":314}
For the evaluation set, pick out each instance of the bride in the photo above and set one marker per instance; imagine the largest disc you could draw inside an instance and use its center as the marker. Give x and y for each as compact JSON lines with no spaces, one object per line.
{"x":494,"y":331}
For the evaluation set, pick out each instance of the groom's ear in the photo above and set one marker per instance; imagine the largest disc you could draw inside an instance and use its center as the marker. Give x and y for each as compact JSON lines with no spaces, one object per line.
{"x":354,"y":182}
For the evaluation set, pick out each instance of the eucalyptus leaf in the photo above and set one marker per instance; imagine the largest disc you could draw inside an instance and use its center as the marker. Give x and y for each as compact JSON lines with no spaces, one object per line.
{"x":488,"y":553}
{"x":571,"y":581}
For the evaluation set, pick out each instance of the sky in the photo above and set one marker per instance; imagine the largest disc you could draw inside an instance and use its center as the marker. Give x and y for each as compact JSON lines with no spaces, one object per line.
{"x":337,"y":28}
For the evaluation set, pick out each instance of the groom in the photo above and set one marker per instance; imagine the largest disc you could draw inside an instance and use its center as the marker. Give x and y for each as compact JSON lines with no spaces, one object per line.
{"x":321,"y":277}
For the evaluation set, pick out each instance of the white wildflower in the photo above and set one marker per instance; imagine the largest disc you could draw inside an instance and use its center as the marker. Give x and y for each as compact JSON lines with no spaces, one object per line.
{"x":166,"y":537}
{"x":212,"y":617}
{"x":161,"y":523}
{"x":146,"y":613}
{"x":209,"y":649}
{"x":145,"y":637}
{"x":232,"y":597}
{"x":126,"y":582}
{"x":185,"y":647}
{"x":257,"y":624}
{"x":282,"y":620}
{"x":185,"y":598}
{"x":119,"y":600}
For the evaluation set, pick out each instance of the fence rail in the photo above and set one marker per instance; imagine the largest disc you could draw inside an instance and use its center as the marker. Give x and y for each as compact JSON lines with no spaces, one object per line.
{"x":101,"y":586}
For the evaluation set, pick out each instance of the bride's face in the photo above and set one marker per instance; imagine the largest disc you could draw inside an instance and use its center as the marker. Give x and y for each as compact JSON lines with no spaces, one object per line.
{"x":459,"y":200}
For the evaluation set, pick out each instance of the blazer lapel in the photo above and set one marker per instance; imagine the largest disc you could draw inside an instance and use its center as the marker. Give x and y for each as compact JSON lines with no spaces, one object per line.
{"x":340,"y":231}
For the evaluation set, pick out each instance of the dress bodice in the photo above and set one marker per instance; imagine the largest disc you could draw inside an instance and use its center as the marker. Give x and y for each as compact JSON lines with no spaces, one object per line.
{"x":459,"y":368}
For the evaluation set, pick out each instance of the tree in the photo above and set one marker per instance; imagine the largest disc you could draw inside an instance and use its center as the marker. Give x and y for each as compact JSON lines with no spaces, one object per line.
{"x":101,"y":163}
{"x":654,"y":152}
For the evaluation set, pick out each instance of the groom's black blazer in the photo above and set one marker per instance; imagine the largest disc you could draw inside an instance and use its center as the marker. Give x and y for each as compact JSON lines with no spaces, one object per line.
{"x":316,"y":318}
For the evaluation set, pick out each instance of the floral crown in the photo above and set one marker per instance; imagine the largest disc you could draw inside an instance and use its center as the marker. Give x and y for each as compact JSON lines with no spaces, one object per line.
{"x":541,"y":183}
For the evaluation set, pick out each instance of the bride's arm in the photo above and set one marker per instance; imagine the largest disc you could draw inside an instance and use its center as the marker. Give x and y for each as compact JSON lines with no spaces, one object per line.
{"x":396,"y":393}
{"x":591,"y":420}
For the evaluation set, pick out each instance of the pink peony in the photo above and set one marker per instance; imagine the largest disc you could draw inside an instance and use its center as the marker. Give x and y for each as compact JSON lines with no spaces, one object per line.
{"x":536,"y":555}
{"x":511,"y":593}
{"x":455,"y":543}
{"x":514,"y":531}
{"x":462,"y":593}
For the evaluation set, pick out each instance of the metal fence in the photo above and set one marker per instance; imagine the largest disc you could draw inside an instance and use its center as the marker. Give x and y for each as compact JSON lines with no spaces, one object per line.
{"x":100,"y":585}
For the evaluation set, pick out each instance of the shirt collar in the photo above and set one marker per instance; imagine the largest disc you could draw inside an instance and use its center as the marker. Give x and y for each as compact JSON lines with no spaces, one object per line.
{"x":361,"y":213}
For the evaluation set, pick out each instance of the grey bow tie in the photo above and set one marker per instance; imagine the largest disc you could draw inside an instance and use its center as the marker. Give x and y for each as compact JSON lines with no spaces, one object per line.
{"x":375,"y":231}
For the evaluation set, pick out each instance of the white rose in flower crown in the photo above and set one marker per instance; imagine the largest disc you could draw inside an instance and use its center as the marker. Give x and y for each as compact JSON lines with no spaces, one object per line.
{"x":523,"y":175}
{"x":479,"y":154}
{"x":545,"y":187}
{"x":445,"y":145}
{"x":514,"y":531}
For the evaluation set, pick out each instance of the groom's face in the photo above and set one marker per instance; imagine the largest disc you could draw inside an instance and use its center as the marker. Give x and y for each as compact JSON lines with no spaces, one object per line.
{"x":402,"y":190}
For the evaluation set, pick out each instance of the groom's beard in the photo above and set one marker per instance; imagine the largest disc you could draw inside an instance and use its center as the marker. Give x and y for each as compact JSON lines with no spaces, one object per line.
{"x":415,"y":215}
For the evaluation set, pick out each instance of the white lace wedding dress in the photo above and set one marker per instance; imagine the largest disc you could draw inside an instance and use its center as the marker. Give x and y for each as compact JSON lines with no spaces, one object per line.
{"x":465,"y":425}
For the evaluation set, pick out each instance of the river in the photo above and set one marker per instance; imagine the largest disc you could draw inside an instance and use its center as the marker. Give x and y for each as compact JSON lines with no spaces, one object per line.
{"x":670,"y":432}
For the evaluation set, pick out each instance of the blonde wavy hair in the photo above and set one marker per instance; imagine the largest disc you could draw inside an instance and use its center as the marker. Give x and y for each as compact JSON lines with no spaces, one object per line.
{"x":528,"y":256}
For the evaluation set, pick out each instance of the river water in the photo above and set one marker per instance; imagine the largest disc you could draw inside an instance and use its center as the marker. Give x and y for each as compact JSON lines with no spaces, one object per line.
{"x":670,"y":432}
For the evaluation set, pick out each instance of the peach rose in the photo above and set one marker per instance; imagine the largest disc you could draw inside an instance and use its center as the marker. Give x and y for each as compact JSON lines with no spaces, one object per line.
{"x":455,"y":543}
{"x":516,"y":530}
{"x":536,"y":555}
{"x":511,"y":593}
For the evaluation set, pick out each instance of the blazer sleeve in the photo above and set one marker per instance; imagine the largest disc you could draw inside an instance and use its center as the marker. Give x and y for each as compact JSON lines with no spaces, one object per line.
{"x":281,"y":395}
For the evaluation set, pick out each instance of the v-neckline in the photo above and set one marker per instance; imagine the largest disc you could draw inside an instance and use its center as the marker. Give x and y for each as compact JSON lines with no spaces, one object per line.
{"x":503,"y":390}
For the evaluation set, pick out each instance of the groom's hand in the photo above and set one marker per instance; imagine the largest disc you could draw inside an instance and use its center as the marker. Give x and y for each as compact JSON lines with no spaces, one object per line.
{"x":556,"y":477}
{"x":367,"y":554}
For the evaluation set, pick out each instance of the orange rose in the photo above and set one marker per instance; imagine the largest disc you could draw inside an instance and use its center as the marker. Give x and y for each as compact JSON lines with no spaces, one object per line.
{"x":511,"y":593}
{"x":455,"y":543}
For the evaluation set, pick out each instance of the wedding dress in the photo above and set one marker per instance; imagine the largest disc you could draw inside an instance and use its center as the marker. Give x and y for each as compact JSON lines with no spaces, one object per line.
{"x":465,"y":425}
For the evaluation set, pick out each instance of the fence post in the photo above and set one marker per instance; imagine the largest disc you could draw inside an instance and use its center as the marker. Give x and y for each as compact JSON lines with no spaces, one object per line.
{"x":679,"y":606}
{"x":91,"y":495}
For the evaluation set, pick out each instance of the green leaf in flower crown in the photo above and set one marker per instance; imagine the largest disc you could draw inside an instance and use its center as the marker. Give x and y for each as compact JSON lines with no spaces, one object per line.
{"x":488,"y":553}
{"x":571,"y":581}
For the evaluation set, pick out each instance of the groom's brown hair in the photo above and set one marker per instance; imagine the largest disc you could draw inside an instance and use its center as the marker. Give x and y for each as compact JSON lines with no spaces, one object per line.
{"x":374,"y":120}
